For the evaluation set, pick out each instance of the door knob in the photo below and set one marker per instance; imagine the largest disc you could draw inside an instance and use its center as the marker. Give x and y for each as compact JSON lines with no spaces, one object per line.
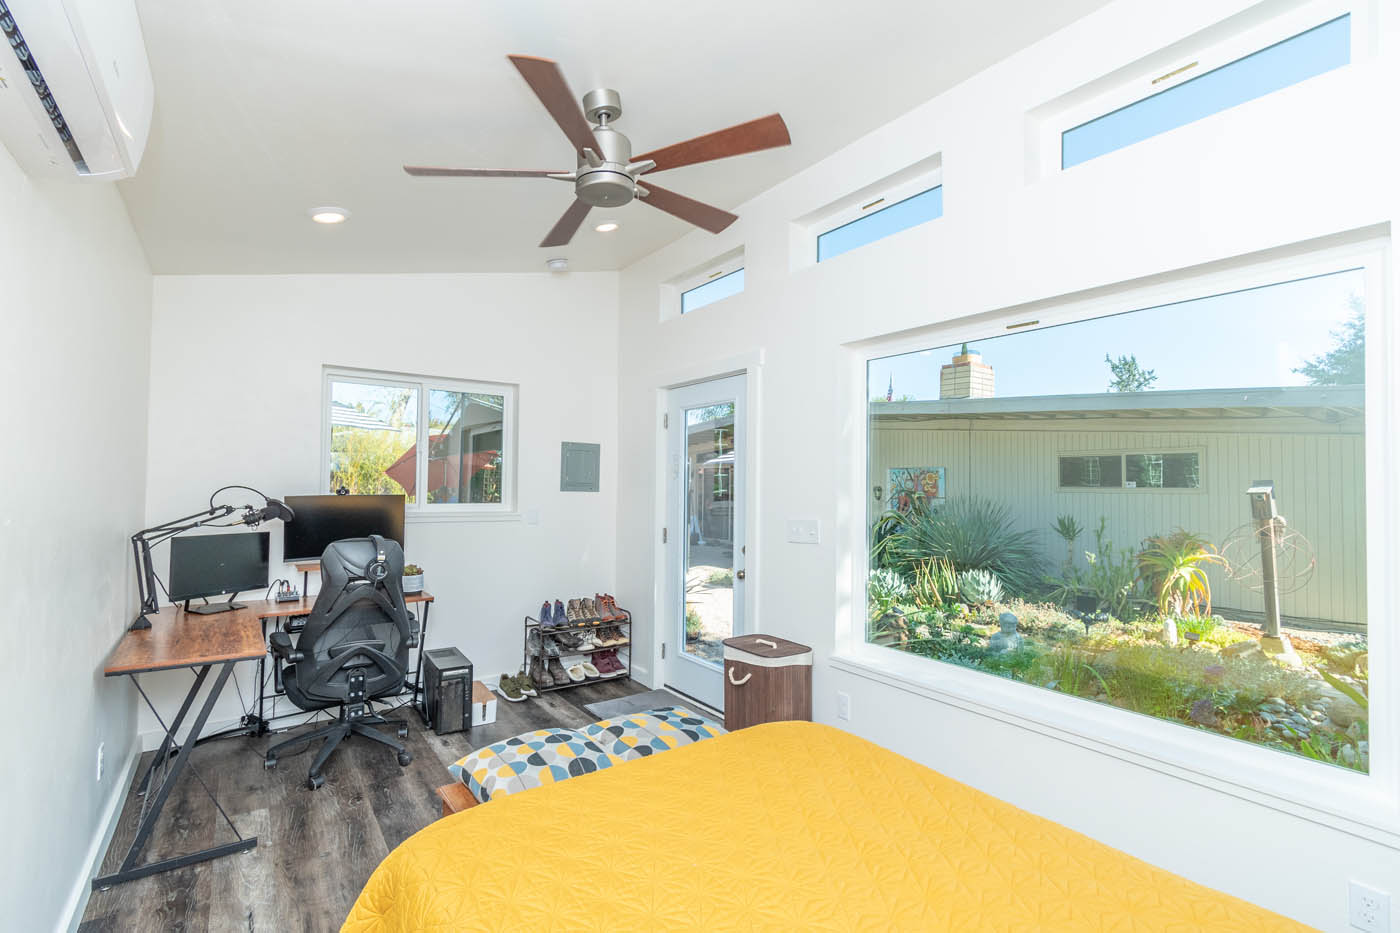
{"x":739,"y":574}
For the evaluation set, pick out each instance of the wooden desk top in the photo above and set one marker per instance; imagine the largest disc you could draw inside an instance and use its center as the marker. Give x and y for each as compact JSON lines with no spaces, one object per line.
{"x":181,"y":639}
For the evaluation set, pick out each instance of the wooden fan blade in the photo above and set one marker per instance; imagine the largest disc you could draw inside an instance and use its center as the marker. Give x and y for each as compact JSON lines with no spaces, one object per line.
{"x":568,"y":225}
{"x":424,"y":171}
{"x":763,"y":133}
{"x":695,"y":212}
{"x":547,"y":81}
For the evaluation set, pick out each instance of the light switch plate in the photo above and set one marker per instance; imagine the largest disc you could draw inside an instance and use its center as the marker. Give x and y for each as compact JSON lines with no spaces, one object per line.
{"x":804,"y":531}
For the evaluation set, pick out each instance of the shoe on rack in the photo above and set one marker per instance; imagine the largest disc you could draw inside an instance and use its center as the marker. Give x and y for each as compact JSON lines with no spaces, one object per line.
{"x":576,"y":673}
{"x":539,"y":675}
{"x":591,"y":608}
{"x":603,"y":661}
{"x":551,"y":647}
{"x":605,"y":614}
{"x":509,"y":689}
{"x":546,"y":618}
{"x":526,"y":684}
{"x":574,"y":615}
{"x":619,"y":615}
{"x":558,"y":614}
{"x":589,"y":670}
{"x":557,"y":672}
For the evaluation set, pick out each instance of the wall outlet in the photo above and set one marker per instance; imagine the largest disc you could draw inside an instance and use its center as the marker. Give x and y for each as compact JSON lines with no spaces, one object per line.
{"x":1370,"y":909}
{"x":843,"y":705}
{"x":804,"y":531}
{"x":101,"y":760}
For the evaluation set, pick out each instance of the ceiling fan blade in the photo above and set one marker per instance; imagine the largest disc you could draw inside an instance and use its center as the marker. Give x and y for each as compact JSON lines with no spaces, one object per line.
{"x":763,"y":133}
{"x":423,"y":171}
{"x":547,"y":81}
{"x":695,"y":212}
{"x":568,"y":225}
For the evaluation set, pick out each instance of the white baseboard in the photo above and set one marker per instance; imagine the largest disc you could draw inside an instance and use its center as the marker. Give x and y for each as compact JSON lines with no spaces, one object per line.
{"x":111,"y":815}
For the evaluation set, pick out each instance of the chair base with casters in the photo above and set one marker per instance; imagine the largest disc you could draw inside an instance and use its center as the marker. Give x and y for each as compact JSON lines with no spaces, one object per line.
{"x":356,"y":718}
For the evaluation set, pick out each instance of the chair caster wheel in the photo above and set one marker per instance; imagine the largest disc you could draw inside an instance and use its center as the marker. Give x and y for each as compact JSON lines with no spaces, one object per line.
{"x":315,"y":781}
{"x":404,"y":759}
{"x":269,"y":764}
{"x":403,"y":730}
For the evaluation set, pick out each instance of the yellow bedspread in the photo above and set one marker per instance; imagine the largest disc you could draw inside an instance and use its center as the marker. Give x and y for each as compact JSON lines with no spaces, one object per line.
{"x":788,"y":826}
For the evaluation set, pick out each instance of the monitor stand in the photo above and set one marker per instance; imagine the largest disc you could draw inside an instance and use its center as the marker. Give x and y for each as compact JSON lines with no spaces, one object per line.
{"x":210,"y":609}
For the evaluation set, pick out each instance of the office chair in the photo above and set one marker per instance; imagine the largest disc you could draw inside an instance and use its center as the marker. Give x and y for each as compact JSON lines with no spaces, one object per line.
{"x":353,"y":650}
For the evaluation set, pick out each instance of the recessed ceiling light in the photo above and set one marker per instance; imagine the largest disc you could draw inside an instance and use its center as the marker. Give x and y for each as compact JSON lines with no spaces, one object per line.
{"x":606,"y":228}
{"x":329,"y":215}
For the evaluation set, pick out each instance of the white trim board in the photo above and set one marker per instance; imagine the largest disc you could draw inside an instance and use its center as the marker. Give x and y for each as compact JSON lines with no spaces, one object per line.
{"x":77,"y":902}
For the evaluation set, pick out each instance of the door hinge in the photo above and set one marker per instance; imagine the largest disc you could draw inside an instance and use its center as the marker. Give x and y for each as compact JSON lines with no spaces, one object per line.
{"x":663,"y":651}
{"x":663,"y":535}
{"x":666,"y":420}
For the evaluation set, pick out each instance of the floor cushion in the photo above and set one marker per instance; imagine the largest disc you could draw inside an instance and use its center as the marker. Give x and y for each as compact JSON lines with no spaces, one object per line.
{"x":636,"y":735}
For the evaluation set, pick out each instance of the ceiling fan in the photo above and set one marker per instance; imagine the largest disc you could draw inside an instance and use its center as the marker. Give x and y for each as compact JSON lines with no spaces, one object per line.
{"x":607,"y":174}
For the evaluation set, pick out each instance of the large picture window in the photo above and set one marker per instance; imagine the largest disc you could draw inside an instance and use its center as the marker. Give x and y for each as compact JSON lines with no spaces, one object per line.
{"x":377,"y":425}
{"x":1162,"y":511}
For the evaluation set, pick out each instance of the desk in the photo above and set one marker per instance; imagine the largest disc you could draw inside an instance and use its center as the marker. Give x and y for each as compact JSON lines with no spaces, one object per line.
{"x":179,"y":639}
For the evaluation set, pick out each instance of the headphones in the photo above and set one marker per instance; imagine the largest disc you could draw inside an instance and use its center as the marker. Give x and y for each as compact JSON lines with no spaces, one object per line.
{"x":378,"y":569}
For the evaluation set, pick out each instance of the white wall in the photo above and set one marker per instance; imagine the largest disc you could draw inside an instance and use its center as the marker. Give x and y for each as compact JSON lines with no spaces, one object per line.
{"x":236,"y":386}
{"x":75,"y":300}
{"x":1307,"y":162}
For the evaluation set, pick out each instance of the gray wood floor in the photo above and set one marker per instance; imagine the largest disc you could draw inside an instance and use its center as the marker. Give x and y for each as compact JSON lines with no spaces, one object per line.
{"x":315,"y":849}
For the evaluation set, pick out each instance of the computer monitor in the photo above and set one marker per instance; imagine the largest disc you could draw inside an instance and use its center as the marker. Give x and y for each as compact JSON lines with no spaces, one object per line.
{"x":319,"y":520}
{"x":210,"y":565}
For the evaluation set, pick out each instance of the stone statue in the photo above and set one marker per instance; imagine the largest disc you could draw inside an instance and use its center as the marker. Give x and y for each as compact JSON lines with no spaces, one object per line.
{"x":1008,"y":639}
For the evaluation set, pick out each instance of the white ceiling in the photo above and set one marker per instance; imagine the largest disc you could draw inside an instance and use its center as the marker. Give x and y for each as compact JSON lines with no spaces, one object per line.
{"x":266,"y":108}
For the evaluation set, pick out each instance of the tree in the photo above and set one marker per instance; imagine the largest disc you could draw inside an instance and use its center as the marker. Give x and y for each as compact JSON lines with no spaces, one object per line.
{"x":1344,"y":364}
{"x":1128,"y":376}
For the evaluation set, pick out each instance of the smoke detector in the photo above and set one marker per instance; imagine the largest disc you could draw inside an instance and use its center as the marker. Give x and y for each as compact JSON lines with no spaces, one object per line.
{"x":557,"y":265}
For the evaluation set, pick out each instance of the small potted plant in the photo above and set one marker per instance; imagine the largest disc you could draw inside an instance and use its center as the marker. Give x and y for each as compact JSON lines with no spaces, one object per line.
{"x":412,"y":578}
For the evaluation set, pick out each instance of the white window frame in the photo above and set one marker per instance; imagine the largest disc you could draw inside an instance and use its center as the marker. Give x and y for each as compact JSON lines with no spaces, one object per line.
{"x":1123,"y":453}
{"x":731,"y":260}
{"x":718,"y":271}
{"x":418,"y":508}
{"x":1365,"y":805}
{"x":1210,"y":51}
{"x":875,"y":202}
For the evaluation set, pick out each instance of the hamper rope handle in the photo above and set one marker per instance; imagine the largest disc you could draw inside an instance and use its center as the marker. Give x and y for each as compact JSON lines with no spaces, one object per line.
{"x":739,"y":683}
{"x":764,"y":641}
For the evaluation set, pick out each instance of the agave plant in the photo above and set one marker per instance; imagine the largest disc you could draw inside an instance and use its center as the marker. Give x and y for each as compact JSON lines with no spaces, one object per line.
{"x":1173,"y":567}
{"x":1069,"y":529}
{"x":970,"y":533}
{"x":979,"y":587}
{"x":885,"y":590}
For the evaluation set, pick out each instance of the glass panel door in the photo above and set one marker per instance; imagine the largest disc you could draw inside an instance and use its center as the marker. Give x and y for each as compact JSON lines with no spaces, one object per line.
{"x":707,"y":438}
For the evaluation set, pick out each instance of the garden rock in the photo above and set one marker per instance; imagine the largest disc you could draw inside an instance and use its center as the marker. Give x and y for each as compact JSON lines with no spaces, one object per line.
{"x":1344,"y":712}
{"x":1242,"y":649}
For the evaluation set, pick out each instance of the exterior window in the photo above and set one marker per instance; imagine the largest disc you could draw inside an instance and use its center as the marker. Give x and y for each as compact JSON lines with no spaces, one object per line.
{"x":376,"y":427}
{"x":912,"y":211}
{"x":714,"y":290}
{"x":1285,"y":63}
{"x":1239,"y":611}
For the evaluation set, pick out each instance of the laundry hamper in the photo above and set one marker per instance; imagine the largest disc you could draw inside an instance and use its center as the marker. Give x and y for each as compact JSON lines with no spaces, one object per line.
{"x":766,"y":679}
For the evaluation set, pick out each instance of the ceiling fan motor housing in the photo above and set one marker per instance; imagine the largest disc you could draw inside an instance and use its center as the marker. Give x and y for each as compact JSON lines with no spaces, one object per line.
{"x":606,"y":183}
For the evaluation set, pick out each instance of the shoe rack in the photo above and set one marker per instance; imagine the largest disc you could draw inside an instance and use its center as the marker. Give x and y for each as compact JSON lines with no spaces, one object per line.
{"x":546,"y":631}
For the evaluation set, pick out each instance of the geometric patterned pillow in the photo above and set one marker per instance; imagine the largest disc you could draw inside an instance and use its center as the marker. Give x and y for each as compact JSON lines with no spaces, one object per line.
{"x":529,"y":760}
{"x":636,"y":735}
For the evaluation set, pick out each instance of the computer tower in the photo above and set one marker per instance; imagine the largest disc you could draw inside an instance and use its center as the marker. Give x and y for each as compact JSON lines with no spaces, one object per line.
{"x":447,"y":690}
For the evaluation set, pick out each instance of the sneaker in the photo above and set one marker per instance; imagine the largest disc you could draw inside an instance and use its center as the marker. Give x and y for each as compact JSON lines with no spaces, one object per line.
{"x":539,"y":675}
{"x":556,"y":672}
{"x":587,"y":641}
{"x":576,"y":673}
{"x":526,"y":684}
{"x":589,"y":670}
{"x":509,"y":689}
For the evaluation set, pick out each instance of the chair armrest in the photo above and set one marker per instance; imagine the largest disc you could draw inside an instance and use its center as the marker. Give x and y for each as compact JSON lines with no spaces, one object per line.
{"x":281,"y":644}
{"x":413,"y":630}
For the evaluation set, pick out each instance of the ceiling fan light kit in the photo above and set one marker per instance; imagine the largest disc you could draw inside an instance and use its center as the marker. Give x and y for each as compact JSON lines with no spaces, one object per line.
{"x":606,"y":174}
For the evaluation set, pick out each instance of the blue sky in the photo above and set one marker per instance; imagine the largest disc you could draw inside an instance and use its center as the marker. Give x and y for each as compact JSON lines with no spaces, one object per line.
{"x":1243,"y":339}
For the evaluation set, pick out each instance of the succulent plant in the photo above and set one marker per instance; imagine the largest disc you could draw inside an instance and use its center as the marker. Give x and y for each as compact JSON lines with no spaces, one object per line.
{"x":412,"y":570}
{"x":979,"y":587}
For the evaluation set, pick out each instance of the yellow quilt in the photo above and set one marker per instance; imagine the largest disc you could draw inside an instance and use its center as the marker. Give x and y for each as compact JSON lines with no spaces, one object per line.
{"x":788,"y":826}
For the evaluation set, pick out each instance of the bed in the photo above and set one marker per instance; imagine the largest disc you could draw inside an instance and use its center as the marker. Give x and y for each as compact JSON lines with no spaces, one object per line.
{"x":782,"y":826}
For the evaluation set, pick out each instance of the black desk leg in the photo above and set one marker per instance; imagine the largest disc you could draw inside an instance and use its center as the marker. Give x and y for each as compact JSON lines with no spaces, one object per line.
{"x":418,"y":674}
{"x":163,"y":752}
{"x":130,"y":870}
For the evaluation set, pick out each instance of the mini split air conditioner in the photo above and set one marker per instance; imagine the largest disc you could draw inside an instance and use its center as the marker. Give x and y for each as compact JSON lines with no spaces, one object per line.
{"x":76,"y":95}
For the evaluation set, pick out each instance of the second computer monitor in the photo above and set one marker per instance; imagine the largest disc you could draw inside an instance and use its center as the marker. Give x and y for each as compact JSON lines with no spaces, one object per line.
{"x":319,"y":520}
{"x":211,"y":565}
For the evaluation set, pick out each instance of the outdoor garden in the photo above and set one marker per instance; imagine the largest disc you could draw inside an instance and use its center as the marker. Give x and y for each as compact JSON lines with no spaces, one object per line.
{"x":1126,"y":624}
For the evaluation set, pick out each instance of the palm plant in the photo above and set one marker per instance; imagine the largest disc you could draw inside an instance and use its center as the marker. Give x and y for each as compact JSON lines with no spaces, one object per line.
{"x":1069,"y":529}
{"x":970,"y":533}
{"x":1173,"y":567}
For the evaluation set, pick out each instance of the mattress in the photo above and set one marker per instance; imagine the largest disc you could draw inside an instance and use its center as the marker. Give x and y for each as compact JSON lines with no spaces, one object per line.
{"x":785,"y":826}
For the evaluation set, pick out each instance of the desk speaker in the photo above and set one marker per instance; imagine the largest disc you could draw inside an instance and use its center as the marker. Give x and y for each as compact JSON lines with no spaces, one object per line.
{"x":447,"y":690}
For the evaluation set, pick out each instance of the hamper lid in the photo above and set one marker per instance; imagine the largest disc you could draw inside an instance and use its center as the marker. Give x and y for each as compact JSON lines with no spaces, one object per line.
{"x":766,"y":646}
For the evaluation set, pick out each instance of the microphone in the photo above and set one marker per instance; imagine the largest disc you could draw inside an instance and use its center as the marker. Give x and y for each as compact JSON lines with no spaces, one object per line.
{"x":275,"y":508}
